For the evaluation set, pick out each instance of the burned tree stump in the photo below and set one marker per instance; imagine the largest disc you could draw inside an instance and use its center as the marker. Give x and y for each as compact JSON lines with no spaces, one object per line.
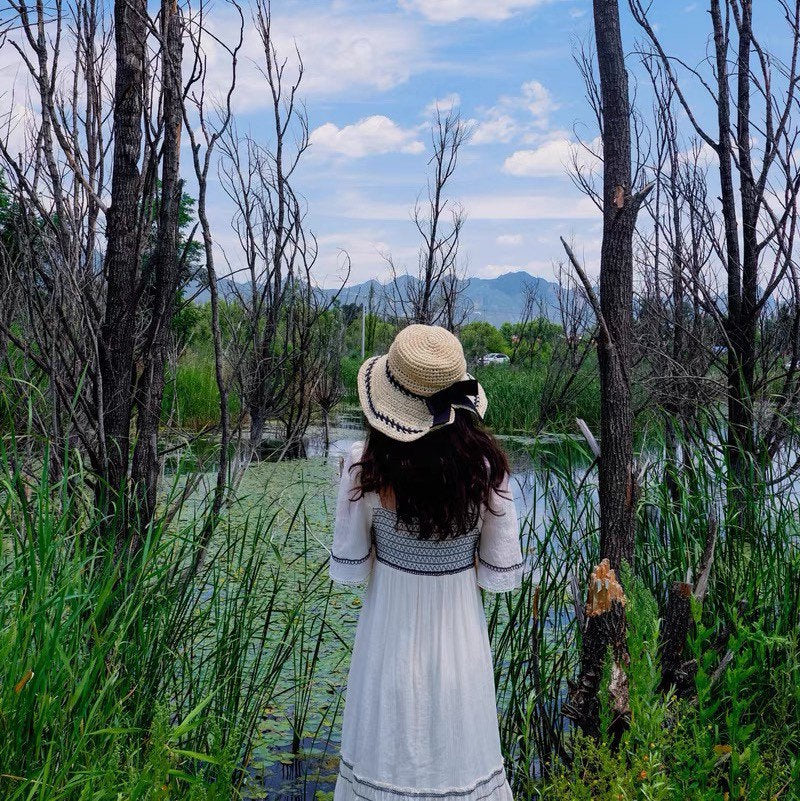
{"x":604,"y":627}
{"x":675,"y":671}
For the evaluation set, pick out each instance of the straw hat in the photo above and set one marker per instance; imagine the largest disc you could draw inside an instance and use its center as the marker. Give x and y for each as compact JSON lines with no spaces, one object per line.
{"x":418,"y":385}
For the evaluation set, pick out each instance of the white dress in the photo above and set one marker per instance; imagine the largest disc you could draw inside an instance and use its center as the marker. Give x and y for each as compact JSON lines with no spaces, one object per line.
{"x":420,"y":716}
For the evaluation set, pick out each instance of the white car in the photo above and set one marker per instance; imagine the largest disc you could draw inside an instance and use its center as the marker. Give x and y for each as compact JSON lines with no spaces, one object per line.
{"x":494,"y":358}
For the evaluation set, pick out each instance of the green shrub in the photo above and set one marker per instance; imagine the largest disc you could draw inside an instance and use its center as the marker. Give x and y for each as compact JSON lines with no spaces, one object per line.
{"x":350,"y":367}
{"x":708,"y":749}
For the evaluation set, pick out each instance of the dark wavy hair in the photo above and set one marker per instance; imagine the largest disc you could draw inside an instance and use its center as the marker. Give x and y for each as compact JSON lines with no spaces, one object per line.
{"x":441,"y":481}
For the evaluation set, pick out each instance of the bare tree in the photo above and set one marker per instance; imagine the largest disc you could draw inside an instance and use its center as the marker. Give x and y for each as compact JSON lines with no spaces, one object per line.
{"x":672,"y":334}
{"x":566,"y":375}
{"x":165,"y":271}
{"x":532,"y":311}
{"x":435,"y":295}
{"x":329,"y":388}
{"x":275,"y":310}
{"x":55,"y":192}
{"x":754,"y":144}
{"x":204,"y":138}
{"x":124,"y":244}
{"x":99,"y":280}
{"x":614,"y":310}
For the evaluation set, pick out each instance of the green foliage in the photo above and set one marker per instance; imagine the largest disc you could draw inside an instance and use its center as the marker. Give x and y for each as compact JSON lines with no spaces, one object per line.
{"x":711,"y":749}
{"x":185,"y":322}
{"x":378,"y":335}
{"x":521,"y":400}
{"x":480,"y":338}
{"x":527,"y":342}
{"x":191,"y":397}
{"x":349,"y":379}
{"x":131,"y":678}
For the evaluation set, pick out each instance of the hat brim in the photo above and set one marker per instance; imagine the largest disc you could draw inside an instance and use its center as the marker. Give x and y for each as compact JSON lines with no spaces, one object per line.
{"x":395,"y":411}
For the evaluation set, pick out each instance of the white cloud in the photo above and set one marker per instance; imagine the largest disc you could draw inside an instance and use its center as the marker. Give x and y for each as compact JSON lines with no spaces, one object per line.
{"x":539,"y":102}
{"x":501,"y":128}
{"x":341,"y":53}
{"x":508,"y":240}
{"x":477,"y":207}
{"x":514,"y":115}
{"x":443,"y":104}
{"x":705,"y":155}
{"x":365,"y":249}
{"x":369,"y":136}
{"x":453,"y":10}
{"x":552,"y":158}
{"x":18,"y":129}
{"x":529,"y":207}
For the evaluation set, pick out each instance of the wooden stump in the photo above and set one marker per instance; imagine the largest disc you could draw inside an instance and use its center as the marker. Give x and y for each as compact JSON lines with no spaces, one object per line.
{"x":675,"y":671}
{"x":604,"y":627}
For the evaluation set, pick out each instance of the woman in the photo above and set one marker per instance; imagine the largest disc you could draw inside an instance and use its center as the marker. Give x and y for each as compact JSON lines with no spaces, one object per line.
{"x":424,"y":512}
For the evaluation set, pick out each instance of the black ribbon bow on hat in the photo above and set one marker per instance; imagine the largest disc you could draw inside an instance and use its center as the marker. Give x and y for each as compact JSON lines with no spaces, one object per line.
{"x":441,"y":402}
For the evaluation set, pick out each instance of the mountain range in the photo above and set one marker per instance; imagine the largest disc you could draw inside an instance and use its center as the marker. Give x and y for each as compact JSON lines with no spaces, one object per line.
{"x":496,"y":300}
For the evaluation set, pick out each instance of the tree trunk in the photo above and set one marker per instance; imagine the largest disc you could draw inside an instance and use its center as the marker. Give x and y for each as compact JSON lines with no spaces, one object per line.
{"x":326,"y":429}
{"x":616,"y":489}
{"x":741,"y":264}
{"x":674,"y":634}
{"x":166,"y":279}
{"x":123,"y":253}
{"x":742,"y":444}
{"x":604,"y":627}
{"x":605,"y":618}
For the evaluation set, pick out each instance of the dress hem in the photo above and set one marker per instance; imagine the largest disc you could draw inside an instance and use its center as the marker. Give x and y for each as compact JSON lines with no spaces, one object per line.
{"x":349,"y":785}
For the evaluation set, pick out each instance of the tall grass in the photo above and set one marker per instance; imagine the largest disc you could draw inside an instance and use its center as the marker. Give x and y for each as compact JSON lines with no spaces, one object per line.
{"x":128,"y":676}
{"x":741,"y":736}
{"x":191,"y":397}
{"x":528,"y":400}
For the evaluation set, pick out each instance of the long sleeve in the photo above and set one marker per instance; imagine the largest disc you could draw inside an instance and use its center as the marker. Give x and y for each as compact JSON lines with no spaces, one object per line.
{"x":500,"y":562}
{"x":351,"y":553}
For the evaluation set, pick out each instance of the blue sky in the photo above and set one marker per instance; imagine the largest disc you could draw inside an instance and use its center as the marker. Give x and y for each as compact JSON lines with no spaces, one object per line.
{"x":374,"y":70}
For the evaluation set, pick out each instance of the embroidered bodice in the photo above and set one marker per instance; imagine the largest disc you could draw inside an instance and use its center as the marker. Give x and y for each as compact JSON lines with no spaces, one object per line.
{"x":400,"y":548}
{"x":367,"y":533}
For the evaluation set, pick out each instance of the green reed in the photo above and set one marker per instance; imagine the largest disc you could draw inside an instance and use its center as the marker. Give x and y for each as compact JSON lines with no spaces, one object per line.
{"x":191,"y":394}
{"x":749,"y":713}
{"x":128,"y":676}
{"x":528,"y":400}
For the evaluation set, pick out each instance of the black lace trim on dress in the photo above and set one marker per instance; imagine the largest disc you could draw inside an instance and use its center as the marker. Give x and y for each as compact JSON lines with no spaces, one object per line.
{"x":385,"y":788}
{"x":344,"y":561}
{"x":425,"y":572}
{"x":498,"y":568}
{"x":402,"y":550}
